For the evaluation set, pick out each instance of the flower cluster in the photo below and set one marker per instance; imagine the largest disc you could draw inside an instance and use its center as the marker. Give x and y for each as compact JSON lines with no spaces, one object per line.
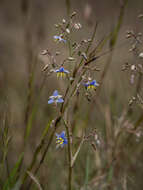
{"x":55,"y":98}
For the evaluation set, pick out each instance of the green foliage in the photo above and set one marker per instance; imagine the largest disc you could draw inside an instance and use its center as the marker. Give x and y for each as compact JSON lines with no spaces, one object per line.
{"x":12,"y":182}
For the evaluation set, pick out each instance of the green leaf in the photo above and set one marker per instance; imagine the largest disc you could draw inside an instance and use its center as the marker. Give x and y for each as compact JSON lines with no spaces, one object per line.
{"x":11,"y":181}
{"x":30,"y":122}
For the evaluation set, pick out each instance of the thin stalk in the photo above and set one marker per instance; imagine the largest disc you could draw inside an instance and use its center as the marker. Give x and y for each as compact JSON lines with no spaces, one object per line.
{"x":87,"y":49}
{"x":25,"y":6}
{"x":69,"y":156}
{"x":68,"y":6}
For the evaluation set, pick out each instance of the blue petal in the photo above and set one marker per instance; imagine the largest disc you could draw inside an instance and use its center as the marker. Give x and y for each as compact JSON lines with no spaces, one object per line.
{"x":65,"y":141}
{"x":56,"y":37}
{"x":66,"y":71}
{"x":55,"y":93}
{"x":96,"y":84}
{"x":62,"y":135}
{"x":60,"y":100}
{"x":93,"y":82}
{"x":50,"y":101}
{"x":58,"y":136}
{"x":61,"y":69}
{"x":86,"y":84}
{"x":61,"y":39}
{"x":57,"y":70}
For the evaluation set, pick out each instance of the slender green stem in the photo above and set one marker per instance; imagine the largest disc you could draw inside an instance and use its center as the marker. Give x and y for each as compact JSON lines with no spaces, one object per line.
{"x":69,"y":156}
{"x":68,"y":6}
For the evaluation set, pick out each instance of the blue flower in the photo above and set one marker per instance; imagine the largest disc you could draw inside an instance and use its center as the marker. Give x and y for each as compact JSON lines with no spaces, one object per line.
{"x":55,"y":98}
{"x":61,"y":72}
{"x":61,"y":139}
{"x":91,"y":85}
{"x":59,"y":38}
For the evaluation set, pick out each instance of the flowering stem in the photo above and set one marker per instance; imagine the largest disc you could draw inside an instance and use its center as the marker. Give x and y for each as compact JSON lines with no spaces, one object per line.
{"x":69,"y":156}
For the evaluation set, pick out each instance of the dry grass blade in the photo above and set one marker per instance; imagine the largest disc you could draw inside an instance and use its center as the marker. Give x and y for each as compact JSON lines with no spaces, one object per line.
{"x":35,"y":180}
{"x":77,"y":152}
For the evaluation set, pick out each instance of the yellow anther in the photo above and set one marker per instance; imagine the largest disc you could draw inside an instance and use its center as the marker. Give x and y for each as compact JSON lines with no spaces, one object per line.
{"x":60,"y":141}
{"x":91,"y":87}
{"x":61,"y":74}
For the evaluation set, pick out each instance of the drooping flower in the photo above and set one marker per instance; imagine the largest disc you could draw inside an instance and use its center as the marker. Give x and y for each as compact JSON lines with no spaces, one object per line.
{"x":61,"y":139}
{"x":91,"y":85}
{"x":61,"y":72}
{"x":55,"y":98}
{"x":59,"y":39}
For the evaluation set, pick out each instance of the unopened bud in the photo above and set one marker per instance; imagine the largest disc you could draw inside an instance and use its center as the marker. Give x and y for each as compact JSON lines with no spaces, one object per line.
{"x":67,"y":30}
{"x":141,"y":55}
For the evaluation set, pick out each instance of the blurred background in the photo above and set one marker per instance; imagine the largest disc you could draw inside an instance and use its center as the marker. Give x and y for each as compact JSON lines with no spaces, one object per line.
{"x":27,"y":28}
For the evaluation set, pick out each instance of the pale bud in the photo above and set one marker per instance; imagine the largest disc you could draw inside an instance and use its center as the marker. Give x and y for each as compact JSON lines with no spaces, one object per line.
{"x":67,"y":30}
{"x":133,"y":67}
{"x":141,"y":55}
{"x":64,"y":21}
{"x":77,"y":26}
